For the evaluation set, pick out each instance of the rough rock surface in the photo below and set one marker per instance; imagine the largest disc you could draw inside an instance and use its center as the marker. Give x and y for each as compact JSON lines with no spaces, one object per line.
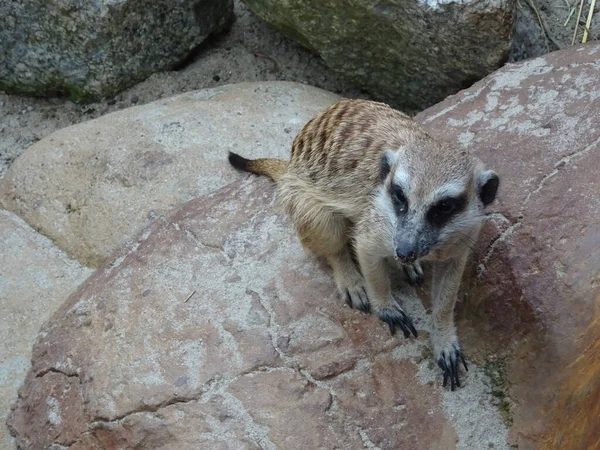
{"x":543,"y":26}
{"x":536,"y":287}
{"x":91,"y":50}
{"x":411,"y":53}
{"x":92,"y":186}
{"x":216,"y":330}
{"x":35,"y":278}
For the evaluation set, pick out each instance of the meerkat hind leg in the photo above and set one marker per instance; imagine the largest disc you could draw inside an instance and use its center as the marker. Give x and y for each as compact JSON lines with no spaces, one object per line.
{"x":329,"y":239}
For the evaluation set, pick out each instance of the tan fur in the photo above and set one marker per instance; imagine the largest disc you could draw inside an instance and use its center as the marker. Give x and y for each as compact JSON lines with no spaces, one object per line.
{"x":270,"y":167}
{"x":333,"y":193}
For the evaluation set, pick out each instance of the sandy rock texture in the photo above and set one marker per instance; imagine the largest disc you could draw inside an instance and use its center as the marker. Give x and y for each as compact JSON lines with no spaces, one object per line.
{"x":93,"y":50}
{"x":535,"y":289}
{"x":411,"y":54}
{"x":248,"y":51}
{"x":93,"y":186}
{"x":35,"y":278}
{"x":216,"y":330}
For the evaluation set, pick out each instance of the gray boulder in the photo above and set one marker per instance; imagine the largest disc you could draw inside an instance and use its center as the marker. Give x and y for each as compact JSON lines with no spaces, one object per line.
{"x":410,"y":53}
{"x":93,"y":186}
{"x":89,"y":50}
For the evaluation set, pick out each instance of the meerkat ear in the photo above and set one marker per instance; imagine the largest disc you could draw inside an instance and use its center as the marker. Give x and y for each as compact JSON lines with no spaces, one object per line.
{"x":488,"y":186}
{"x":388,"y":158}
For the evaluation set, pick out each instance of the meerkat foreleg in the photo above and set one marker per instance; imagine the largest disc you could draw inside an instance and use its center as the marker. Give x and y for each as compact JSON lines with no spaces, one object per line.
{"x":382,"y":302}
{"x":446,"y":349}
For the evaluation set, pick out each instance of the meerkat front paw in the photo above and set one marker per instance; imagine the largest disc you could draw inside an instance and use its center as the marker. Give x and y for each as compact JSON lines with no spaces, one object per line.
{"x":449,"y":355}
{"x":395,"y":316}
{"x":414,"y":274}
{"x":356,"y":297}
{"x":351,"y":287}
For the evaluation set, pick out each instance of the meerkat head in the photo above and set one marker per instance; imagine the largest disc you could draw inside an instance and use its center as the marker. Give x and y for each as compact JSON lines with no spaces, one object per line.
{"x":433,"y":195}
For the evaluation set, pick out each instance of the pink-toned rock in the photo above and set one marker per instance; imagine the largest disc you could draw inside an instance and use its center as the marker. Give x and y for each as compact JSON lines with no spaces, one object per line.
{"x":215,"y":329}
{"x":262,"y":355}
{"x":536,"y":281}
{"x":59,"y":410}
{"x":35,"y":278}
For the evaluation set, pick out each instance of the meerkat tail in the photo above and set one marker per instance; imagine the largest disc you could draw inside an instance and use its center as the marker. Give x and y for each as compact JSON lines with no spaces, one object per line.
{"x":270,"y":167}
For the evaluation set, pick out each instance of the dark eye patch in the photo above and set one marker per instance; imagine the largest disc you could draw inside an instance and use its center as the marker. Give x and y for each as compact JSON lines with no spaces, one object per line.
{"x":399,"y":199}
{"x":446,"y":208}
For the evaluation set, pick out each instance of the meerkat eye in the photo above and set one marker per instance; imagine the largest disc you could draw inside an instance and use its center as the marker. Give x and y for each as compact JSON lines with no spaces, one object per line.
{"x":399,"y":199}
{"x":447,"y":206}
{"x":443,"y":210}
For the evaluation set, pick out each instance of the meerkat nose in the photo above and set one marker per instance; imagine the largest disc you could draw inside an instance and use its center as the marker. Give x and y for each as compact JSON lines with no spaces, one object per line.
{"x":405,"y":253}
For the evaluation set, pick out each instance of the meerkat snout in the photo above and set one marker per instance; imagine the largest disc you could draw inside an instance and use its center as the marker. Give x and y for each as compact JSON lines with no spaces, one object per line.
{"x":409,"y":241}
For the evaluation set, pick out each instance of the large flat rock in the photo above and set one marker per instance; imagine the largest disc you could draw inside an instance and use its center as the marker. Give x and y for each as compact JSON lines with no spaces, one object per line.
{"x":535,"y":289}
{"x":35,"y":278}
{"x":216,"y":330}
{"x":92,"y":186}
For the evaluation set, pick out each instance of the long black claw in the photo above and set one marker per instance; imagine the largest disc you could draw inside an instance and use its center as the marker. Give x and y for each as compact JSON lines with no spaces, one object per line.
{"x":462,"y":358}
{"x":409,"y":278}
{"x":414,"y":278}
{"x":392,"y":328}
{"x":405,"y":331}
{"x":348,"y":299}
{"x":363,"y":303}
{"x":420,"y":280}
{"x":442,"y":365}
{"x":397,"y":317}
{"x":450,"y":367}
{"x":411,"y":326}
{"x":365,"y":307}
{"x":455,"y":371}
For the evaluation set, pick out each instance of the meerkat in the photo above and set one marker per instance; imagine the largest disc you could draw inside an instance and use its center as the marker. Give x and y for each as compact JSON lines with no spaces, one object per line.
{"x":367,"y":184}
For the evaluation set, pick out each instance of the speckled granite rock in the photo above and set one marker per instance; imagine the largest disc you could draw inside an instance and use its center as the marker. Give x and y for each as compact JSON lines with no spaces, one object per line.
{"x":410,"y":53}
{"x":94,"y":185}
{"x":91,"y":50}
